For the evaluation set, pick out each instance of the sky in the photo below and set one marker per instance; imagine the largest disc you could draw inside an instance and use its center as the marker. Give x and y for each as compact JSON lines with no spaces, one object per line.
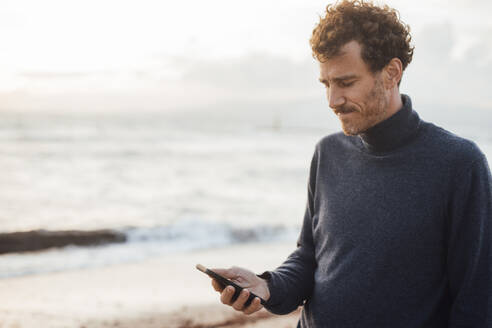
{"x":106,"y":55}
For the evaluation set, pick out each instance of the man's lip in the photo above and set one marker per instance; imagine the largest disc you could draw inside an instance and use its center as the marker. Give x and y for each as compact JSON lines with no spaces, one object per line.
{"x":340,"y":112}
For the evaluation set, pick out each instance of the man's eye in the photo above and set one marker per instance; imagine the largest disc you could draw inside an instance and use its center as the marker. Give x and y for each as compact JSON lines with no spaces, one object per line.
{"x":346,"y":84}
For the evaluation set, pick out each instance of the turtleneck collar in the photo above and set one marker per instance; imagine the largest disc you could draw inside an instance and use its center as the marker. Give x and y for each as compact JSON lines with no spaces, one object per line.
{"x":394,"y":132}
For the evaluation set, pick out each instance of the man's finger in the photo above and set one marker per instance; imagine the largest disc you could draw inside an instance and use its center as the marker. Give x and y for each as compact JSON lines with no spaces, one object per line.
{"x":226,"y":295}
{"x":242,"y":298}
{"x":228,"y":273}
{"x":217,"y":285}
{"x":253,"y":307}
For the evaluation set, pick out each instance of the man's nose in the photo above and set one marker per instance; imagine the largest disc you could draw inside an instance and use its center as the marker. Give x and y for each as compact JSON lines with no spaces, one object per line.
{"x":335,"y":97}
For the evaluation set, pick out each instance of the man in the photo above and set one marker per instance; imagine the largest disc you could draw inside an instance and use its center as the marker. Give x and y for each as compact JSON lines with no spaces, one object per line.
{"x":397,"y":230}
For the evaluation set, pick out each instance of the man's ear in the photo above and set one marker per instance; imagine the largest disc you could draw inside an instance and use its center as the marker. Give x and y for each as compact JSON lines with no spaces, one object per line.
{"x":392,"y":73}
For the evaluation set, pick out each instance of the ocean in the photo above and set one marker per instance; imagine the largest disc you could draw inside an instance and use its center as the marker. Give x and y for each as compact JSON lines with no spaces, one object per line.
{"x":169,"y":182}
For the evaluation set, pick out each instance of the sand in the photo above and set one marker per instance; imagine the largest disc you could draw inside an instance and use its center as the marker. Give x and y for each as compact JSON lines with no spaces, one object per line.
{"x":162,"y":292}
{"x":200,"y":317}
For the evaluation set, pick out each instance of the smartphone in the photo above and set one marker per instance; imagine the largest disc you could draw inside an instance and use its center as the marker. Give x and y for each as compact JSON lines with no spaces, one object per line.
{"x":226,"y":282}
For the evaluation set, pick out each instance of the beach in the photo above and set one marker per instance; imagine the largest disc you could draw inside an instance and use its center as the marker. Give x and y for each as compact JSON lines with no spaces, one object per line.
{"x":200,"y":317}
{"x":162,"y":292}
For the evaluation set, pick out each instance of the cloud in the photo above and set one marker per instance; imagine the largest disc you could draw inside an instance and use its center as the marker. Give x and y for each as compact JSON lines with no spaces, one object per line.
{"x":255,"y":76}
{"x":260,"y":80}
{"x":441,"y":79}
{"x":63,"y":75}
{"x":473,"y":4}
{"x":258,"y":88}
{"x":435,"y":42}
{"x":181,"y":82}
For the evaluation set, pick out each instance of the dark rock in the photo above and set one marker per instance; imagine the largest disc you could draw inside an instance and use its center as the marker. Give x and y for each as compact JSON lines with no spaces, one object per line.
{"x":42,"y":239}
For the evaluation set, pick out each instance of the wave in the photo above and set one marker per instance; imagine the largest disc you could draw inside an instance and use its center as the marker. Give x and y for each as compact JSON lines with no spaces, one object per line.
{"x":136,"y":244}
{"x":195,"y":234}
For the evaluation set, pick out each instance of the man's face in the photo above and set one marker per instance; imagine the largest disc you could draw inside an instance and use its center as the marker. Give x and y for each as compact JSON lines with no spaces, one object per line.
{"x":356,"y":95}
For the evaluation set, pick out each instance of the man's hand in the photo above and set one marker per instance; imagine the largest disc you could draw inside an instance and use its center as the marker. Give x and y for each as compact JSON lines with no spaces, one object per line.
{"x":249,"y":281}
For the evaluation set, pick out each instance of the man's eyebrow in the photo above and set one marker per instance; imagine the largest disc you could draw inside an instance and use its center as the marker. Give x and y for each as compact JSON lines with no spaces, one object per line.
{"x":345,"y":77}
{"x":340,"y":78}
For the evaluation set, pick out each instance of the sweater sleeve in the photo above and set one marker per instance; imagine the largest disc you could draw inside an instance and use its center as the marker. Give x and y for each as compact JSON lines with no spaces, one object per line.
{"x":292,"y":282}
{"x":469,"y":258}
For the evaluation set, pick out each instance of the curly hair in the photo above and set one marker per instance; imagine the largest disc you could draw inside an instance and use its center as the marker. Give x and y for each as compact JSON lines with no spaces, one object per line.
{"x":379,"y":30}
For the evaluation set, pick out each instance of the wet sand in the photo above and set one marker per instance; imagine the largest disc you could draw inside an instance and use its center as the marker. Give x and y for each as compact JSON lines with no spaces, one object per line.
{"x":162,"y":292}
{"x":200,"y":317}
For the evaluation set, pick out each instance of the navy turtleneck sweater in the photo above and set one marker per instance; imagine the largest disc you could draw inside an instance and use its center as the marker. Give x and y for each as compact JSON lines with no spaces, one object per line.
{"x":397,"y":232}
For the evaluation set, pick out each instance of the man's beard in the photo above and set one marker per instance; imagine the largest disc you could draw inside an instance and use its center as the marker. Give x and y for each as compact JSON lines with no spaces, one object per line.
{"x":373,"y":113}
